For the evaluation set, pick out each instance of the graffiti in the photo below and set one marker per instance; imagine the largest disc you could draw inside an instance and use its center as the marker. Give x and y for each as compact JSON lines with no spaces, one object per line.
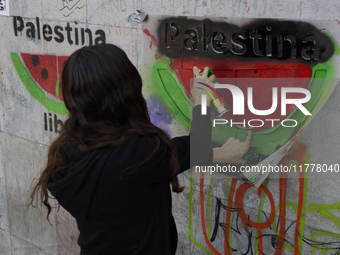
{"x":118,"y":28}
{"x":113,"y":6}
{"x":16,"y":95}
{"x":159,"y":115}
{"x":251,"y":54}
{"x":172,"y":80}
{"x":230,"y":216}
{"x":52,"y":123}
{"x":152,"y":37}
{"x":271,"y":231}
{"x":79,"y":37}
{"x":69,"y":6}
{"x":176,"y":5}
{"x":180,"y":37}
{"x":39,"y":74}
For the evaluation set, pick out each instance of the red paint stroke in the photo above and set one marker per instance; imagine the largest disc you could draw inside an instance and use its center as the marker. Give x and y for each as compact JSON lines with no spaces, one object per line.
{"x":153,"y":38}
{"x":298,"y":155}
{"x":46,"y":70}
{"x":227,"y":247}
{"x":337,"y":21}
{"x":153,"y":42}
{"x":259,"y":234}
{"x":239,"y":204}
{"x":43,"y":69}
{"x":212,"y":248}
{"x":296,"y":251}
{"x":282,"y":232}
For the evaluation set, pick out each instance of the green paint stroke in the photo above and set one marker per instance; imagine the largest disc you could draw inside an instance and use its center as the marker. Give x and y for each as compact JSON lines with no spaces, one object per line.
{"x":294,"y":205}
{"x":208,"y":207}
{"x":227,"y":186}
{"x":57,"y":87}
{"x":191,"y":198}
{"x":320,"y":248}
{"x":34,"y":89}
{"x":324,"y":210}
{"x":259,"y":216}
{"x":172,"y":92}
{"x":304,"y":201}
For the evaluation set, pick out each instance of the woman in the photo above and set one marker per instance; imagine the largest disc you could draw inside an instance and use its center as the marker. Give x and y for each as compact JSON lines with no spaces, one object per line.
{"x":111,"y":167}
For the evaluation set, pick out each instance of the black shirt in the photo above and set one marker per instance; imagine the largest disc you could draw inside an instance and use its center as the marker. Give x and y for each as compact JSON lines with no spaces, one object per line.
{"x":130,"y":212}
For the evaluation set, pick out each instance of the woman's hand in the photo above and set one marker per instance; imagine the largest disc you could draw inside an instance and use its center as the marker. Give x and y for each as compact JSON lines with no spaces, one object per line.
{"x":196,"y":92}
{"x":232,"y":151}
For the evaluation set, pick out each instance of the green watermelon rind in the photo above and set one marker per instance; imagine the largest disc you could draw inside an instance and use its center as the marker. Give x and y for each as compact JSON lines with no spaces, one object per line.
{"x":34,"y":89}
{"x":264,"y":141}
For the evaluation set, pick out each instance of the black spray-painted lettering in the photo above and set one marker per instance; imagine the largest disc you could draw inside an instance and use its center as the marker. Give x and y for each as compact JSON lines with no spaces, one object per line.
{"x":58,"y":33}
{"x":265,"y":38}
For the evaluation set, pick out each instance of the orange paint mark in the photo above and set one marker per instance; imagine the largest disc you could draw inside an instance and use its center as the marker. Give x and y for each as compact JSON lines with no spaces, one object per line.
{"x":246,"y":221}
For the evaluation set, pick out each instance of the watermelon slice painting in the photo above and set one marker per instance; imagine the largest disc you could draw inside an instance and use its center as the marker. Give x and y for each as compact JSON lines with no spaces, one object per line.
{"x":41,"y":75}
{"x":269,"y":143}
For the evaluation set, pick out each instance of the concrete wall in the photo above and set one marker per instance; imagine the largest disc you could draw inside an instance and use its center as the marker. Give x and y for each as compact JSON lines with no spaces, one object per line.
{"x":306,"y":210}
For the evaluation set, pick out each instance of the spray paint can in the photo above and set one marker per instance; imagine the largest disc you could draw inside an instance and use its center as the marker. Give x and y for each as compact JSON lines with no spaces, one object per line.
{"x":219,"y":108}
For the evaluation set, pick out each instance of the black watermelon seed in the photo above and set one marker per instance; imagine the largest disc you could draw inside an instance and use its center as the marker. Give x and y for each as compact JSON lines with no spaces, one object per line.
{"x":44,"y":74}
{"x":35,"y":60}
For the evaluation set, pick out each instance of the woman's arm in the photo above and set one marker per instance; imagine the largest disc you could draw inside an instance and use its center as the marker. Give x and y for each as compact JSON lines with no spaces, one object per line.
{"x":195,"y":149}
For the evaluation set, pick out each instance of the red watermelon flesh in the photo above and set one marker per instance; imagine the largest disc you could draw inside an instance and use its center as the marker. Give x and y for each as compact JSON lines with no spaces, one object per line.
{"x":44,"y":70}
{"x":262,"y":88}
{"x":61,"y":60}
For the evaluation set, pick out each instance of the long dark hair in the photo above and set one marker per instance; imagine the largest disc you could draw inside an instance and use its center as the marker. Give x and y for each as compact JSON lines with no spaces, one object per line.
{"x":102,"y":91}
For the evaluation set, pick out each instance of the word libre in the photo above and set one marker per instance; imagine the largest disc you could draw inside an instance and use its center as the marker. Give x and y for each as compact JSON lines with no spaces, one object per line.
{"x":52,"y":124}
{"x":73,"y":34}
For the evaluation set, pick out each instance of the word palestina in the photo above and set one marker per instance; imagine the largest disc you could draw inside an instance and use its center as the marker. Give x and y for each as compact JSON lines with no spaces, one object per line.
{"x":74,"y":35}
{"x":263,"y":38}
